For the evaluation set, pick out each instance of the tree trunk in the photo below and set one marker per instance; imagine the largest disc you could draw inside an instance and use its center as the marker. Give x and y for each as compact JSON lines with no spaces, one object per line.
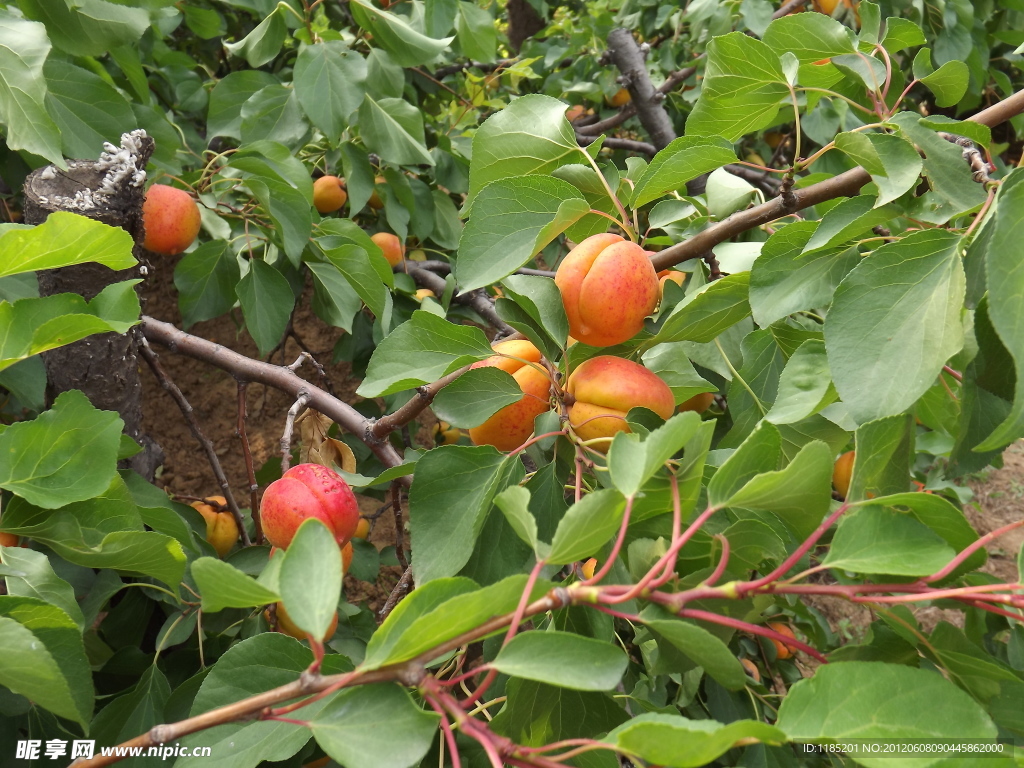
{"x":103,"y":366}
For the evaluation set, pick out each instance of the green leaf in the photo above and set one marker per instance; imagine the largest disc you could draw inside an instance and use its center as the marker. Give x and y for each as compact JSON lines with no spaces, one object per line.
{"x":1005,"y":284}
{"x":513,"y":219}
{"x":976,"y":132}
{"x":894,"y":323}
{"x":31,"y":326}
{"x":805,"y":386}
{"x":874,"y":700}
{"x":810,"y":37}
{"x":88,"y":27}
{"x":393,"y":128}
{"x":310,"y":579}
{"x":206,"y":280}
{"x":514,"y":502}
{"x":273,"y":114}
{"x":221,"y":586}
{"x":423,"y":601}
{"x":67,"y":454}
{"x":227,"y":97}
{"x":706,"y":313}
{"x":632,"y":461}
{"x":563,"y":659}
{"x":476,"y":396}
{"x":948,"y":83}
{"x":449,"y":502}
{"x":875,"y":540}
{"x":457,"y":615}
{"x":539,"y":298}
{"x":673,"y":367}
{"x":537,"y":714}
{"x":943,"y":518}
{"x":678,"y":742}
{"x":329,"y":83}
{"x":267,"y":301}
{"x":420,"y":351}
{"x":885,"y":449}
{"x":264,"y":42}
{"x":787,"y":277}
{"x":902,"y":33}
{"x":33,"y":576}
{"x":62,"y":240}
{"x":529,"y":137}
{"x":682,"y":160}
{"x":892,"y":161}
{"x":28,"y":667}
{"x":799,"y":494}
{"x":86,"y":109}
{"x":24,"y":47}
{"x":133,"y":713}
{"x":743,"y":87}
{"x":477,"y":35}
{"x":289,"y":210}
{"x":365,"y":269}
{"x":758,"y":454}
{"x":104,"y":531}
{"x":248,"y":668}
{"x":335,"y":301}
{"x":374,"y":726}
{"x":700,"y":646}
{"x":849,"y":219}
{"x":407,"y":47}
{"x":587,"y":526}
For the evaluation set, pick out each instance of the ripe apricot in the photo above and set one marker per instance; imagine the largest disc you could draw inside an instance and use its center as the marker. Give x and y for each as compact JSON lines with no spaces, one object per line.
{"x":575,"y":112}
{"x":842,"y":472}
{"x":608,"y":287}
{"x":9,"y":540}
{"x":509,"y":428}
{"x":392,"y":248}
{"x":674,"y":275}
{"x":375,"y":200}
{"x":329,"y":194}
{"x":782,"y":650}
{"x":698,"y":403}
{"x":751,"y":669}
{"x":362,"y":529}
{"x":286,"y":626}
{"x":347,"y":553}
{"x":304,"y":491}
{"x":171,"y":219}
{"x":620,"y":97}
{"x":423,"y":293}
{"x":221,"y":529}
{"x":605,"y":388}
{"x":445,"y":433}
{"x":774,"y":138}
{"x":588,"y":568}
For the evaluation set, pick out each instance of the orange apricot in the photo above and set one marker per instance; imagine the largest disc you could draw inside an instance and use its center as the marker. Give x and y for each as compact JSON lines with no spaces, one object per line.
{"x":375,"y":200}
{"x":619,"y":98}
{"x":286,"y":626}
{"x":698,"y":403}
{"x":608,"y":287}
{"x":782,"y":650}
{"x":392,"y":248}
{"x":842,"y":473}
{"x":171,"y":218}
{"x":510,"y":427}
{"x":221,"y":528}
{"x":329,"y":194}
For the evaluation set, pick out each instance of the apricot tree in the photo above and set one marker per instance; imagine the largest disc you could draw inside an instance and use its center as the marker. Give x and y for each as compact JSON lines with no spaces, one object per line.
{"x":711,"y":308}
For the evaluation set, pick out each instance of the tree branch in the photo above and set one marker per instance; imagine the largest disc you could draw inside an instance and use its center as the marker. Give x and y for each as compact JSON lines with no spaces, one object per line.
{"x":424,"y":397}
{"x":475,"y":300}
{"x":844,"y":185}
{"x":612,"y":142}
{"x":626,"y":54}
{"x":787,"y":8}
{"x":276,"y":376}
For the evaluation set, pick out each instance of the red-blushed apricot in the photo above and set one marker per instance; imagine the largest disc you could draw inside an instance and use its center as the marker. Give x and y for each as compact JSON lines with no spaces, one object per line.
{"x":606,"y":387}
{"x":221,"y":529}
{"x":375,"y":200}
{"x":842,"y":473}
{"x":171,"y":218}
{"x":751,"y":669}
{"x":392,"y":248}
{"x":304,"y":491}
{"x":510,"y":427}
{"x":698,"y":403}
{"x":619,"y":98}
{"x":329,"y":194}
{"x":782,"y":650}
{"x":588,"y":568}
{"x":286,"y":626}
{"x":608,"y":287}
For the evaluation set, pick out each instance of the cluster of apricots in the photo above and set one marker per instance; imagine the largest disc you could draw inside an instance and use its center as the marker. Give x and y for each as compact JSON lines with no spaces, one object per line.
{"x":608,"y":286}
{"x":310,"y":491}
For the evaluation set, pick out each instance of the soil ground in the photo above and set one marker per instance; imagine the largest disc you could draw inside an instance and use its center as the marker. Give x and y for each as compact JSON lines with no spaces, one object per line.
{"x":998,"y":500}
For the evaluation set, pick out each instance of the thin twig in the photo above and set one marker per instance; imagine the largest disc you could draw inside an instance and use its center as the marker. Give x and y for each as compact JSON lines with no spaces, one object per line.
{"x":289,"y":426}
{"x":402,"y":588}
{"x":249,"y":468}
{"x":187,"y":411}
{"x":478,"y":301}
{"x":396,"y":507}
